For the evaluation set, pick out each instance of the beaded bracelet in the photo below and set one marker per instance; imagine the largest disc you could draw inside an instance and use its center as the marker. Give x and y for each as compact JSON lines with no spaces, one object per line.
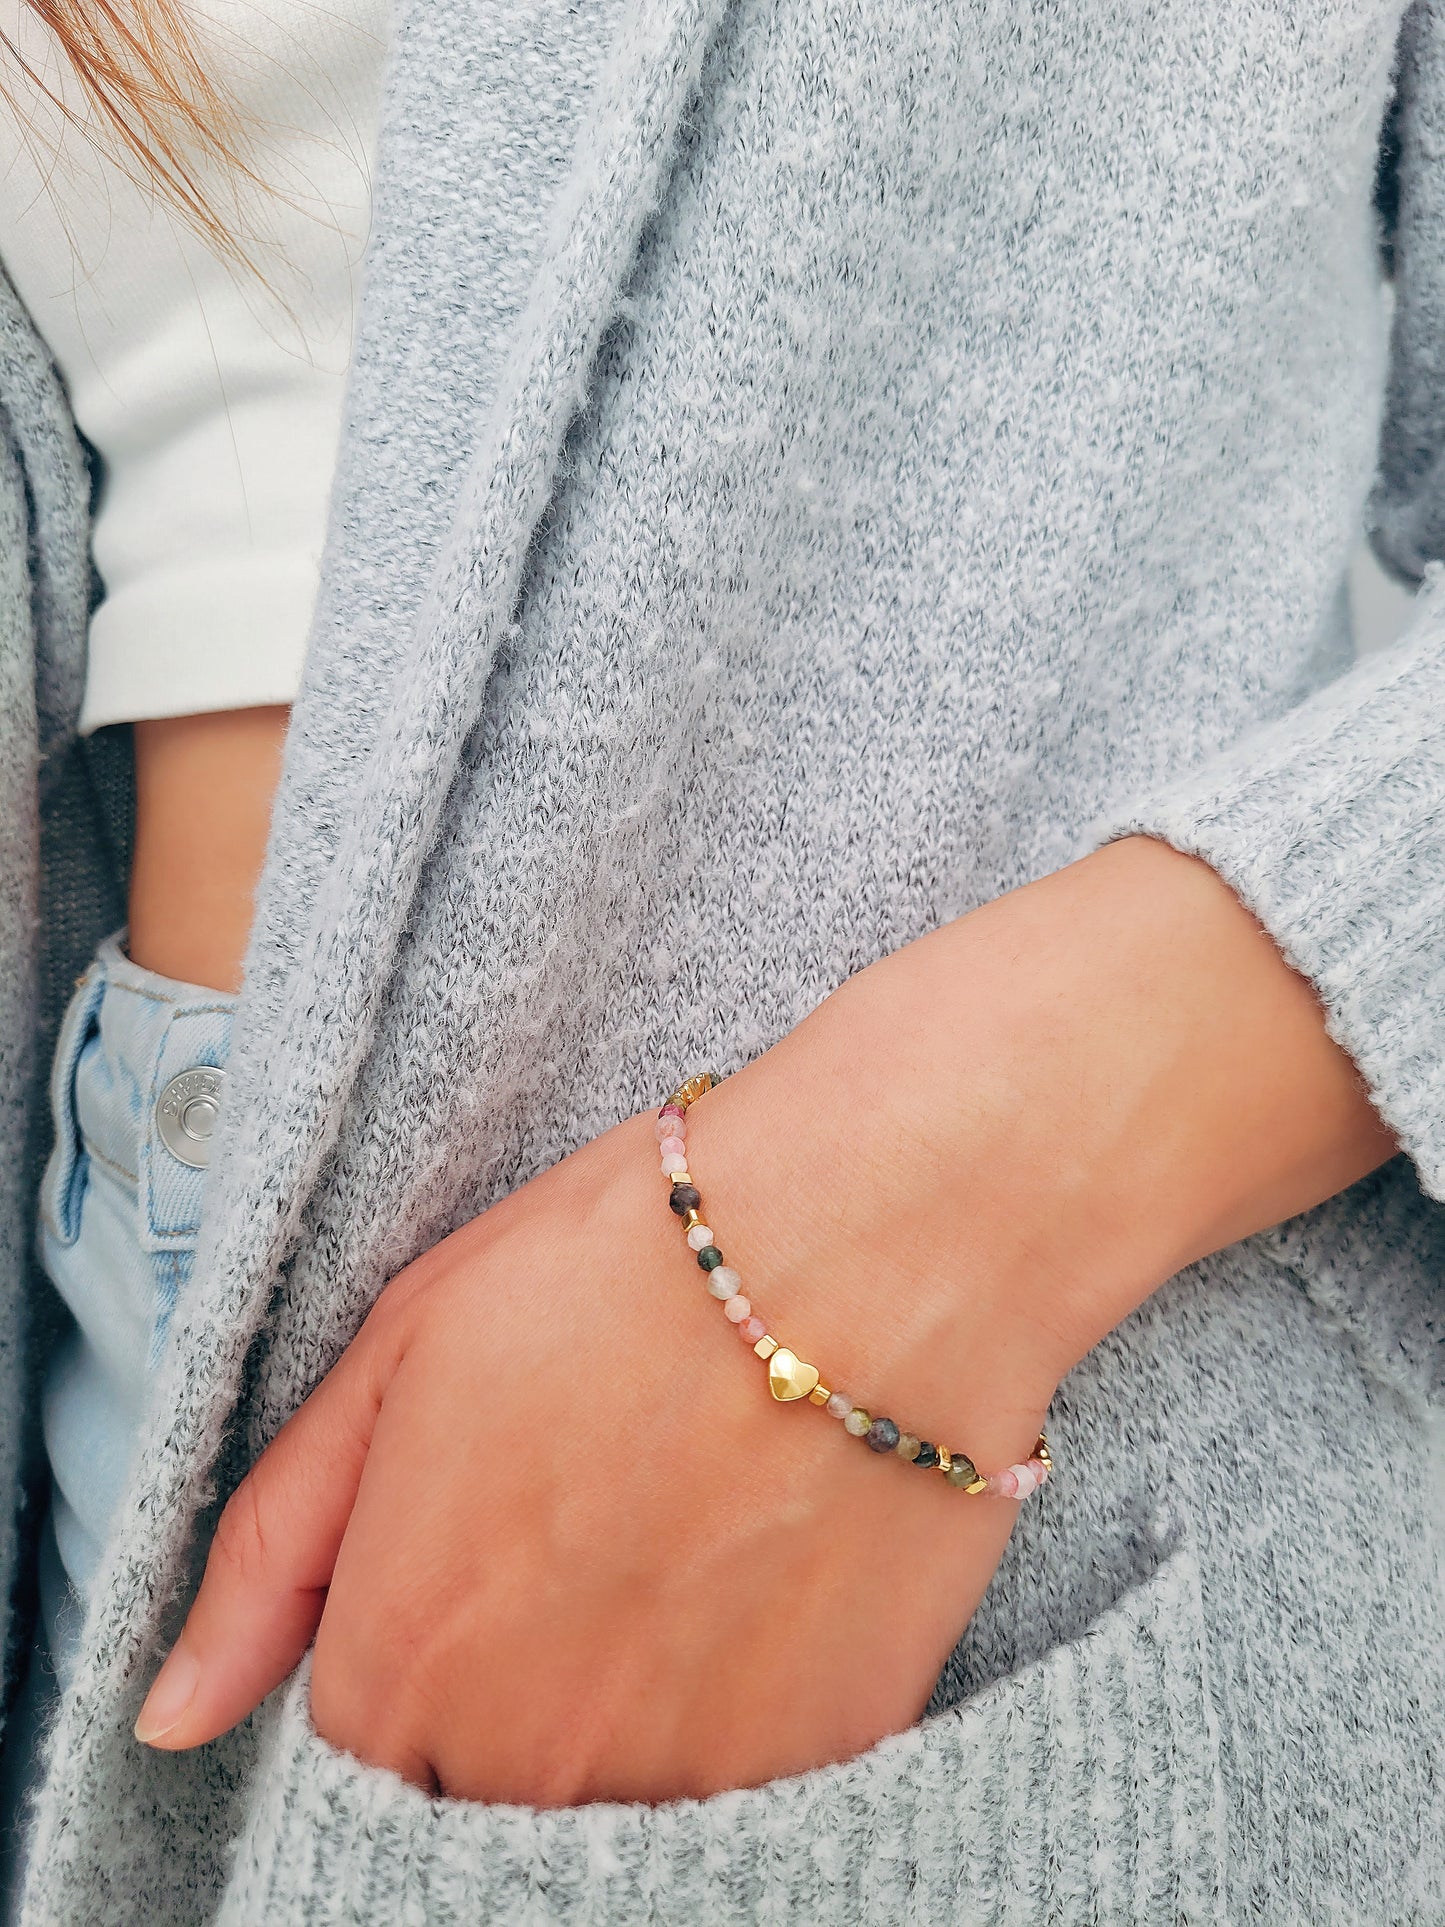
{"x":788,"y":1377}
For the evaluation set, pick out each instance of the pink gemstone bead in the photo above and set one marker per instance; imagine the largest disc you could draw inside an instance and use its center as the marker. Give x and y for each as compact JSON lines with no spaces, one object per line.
{"x":839,"y":1405}
{"x":751,"y":1329}
{"x":1024,"y":1479}
{"x":673,"y":1144}
{"x":1005,"y":1484}
{"x":700,"y":1235}
{"x":673,"y":1161}
{"x":737,"y":1308}
{"x":671,"y":1124}
{"x":1039,"y":1470}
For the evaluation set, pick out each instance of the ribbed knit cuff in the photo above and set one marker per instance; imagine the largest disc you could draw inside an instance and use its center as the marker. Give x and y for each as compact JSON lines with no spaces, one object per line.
{"x":1330,"y":825}
{"x":990,"y":1813}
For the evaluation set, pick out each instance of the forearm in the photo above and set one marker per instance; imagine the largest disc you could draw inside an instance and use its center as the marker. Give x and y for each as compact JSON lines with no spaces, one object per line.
{"x":1078,"y":1089}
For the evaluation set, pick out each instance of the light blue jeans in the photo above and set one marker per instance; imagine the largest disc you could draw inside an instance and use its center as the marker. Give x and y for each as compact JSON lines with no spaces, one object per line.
{"x":132,"y":1077}
{"x":116,"y":1236}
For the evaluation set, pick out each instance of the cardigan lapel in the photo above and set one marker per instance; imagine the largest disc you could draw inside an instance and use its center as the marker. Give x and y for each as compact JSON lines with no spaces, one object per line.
{"x":375,"y":741}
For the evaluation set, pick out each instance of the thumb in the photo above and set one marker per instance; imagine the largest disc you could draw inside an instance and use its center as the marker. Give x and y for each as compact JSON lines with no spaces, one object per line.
{"x":274,"y":1552}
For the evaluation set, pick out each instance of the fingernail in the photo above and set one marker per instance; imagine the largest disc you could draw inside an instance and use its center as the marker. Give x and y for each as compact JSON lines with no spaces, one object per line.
{"x":172,"y":1690}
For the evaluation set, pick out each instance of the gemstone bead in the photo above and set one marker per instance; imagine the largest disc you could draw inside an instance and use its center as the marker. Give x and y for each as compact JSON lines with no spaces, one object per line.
{"x":857,"y":1423}
{"x":1039,"y":1470}
{"x":963,"y":1471}
{"x":738,"y":1309}
{"x":1004,"y":1484}
{"x":883,"y":1435}
{"x":709,"y":1257}
{"x":723,"y":1282}
{"x":700,"y":1235}
{"x":673,"y":1144}
{"x":927,"y":1453}
{"x":1024,"y":1480}
{"x":670,"y":1124}
{"x":839,"y":1405}
{"x":673,"y":1161}
{"x":752,"y":1329}
{"x":684,"y":1198}
{"x":907,"y":1446}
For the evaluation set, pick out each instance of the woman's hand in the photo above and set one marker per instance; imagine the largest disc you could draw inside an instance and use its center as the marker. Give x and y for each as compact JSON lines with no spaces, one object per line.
{"x":562,"y":1543}
{"x":554,"y":1539}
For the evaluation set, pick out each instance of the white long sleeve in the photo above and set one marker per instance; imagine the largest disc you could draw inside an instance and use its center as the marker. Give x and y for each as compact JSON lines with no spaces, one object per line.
{"x":211,"y":395}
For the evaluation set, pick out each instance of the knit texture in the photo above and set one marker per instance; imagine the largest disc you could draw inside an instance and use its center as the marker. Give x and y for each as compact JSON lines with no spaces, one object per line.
{"x":44,"y":597}
{"x":809,"y":468}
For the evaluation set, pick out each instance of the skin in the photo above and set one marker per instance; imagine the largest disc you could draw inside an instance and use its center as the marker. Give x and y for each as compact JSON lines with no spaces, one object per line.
{"x":204,"y":786}
{"x":552,"y":1538}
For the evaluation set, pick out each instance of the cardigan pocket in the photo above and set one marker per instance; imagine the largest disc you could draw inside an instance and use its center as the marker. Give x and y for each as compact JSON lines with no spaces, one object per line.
{"x":994,"y":1813}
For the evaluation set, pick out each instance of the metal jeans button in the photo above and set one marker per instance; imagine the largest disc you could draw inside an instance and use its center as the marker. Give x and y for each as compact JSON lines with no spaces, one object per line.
{"x":186,"y":1113}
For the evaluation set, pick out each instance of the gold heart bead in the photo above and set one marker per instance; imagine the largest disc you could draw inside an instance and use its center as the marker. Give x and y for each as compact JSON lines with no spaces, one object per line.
{"x":788,"y":1376}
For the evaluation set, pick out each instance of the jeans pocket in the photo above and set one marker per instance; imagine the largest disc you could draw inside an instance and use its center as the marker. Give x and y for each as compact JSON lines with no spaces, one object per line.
{"x":1085,"y":1787}
{"x":62,"y":1184}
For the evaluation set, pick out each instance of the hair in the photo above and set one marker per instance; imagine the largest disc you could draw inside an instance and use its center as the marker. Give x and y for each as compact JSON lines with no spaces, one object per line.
{"x":153,"y":103}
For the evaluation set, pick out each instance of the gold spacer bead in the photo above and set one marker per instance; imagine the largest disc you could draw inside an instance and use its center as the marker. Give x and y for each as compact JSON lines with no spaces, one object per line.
{"x":766,"y":1346}
{"x":682,"y":1177}
{"x":944,"y":1462}
{"x":979,"y":1485}
{"x":690,"y":1218}
{"x":820,"y":1394}
{"x":688,"y":1093}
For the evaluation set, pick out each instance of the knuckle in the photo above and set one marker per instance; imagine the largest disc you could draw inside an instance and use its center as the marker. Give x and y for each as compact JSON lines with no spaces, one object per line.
{"x":239,"y":1545}
{"x":394,"y":1313}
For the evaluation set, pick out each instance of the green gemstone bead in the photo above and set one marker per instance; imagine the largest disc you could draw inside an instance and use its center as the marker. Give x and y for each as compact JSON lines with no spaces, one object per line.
{"x":907,"y":1446}
{"x":709,"y":1257}
{"x":962,"y":1471}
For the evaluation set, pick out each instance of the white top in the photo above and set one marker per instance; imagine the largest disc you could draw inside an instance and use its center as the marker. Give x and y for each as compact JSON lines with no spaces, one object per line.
{"x":211,"y":395}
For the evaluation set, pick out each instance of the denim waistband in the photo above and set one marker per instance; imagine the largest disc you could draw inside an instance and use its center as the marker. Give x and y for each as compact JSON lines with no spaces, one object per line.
{"x":126,"y":1034}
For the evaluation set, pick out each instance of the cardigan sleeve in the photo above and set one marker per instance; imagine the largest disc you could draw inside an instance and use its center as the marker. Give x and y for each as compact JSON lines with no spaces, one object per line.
{"x":1330,"y":822}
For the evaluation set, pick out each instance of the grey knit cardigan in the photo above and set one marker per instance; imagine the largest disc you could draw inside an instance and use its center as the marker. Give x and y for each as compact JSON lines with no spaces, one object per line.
{"x":810,"y":466}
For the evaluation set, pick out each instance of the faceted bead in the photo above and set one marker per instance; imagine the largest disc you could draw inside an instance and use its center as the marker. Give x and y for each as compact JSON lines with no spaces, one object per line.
{"x":907,"y":1446}
{"x":752,"y":1329}
{"x":1024,"y":1480}
{"x":670,"y":1124}
{"x":963,"y":1471}
{"x":839,"y":1405}
{"x":1004,"y":1484}
{"x":738,"y":1309}
{"x":709,"y":1257}
{"x":857,"y":1423}
{"x":673,"y":1161}
{"x":700,"y":1235}
{"x":673,"y":1144}
{"x":723,"y":1282}
{"x":883,"y":1435}
{"x":684,"y":1198}
{"x":927,"y":1453}
{"x":1039,"y":1470}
